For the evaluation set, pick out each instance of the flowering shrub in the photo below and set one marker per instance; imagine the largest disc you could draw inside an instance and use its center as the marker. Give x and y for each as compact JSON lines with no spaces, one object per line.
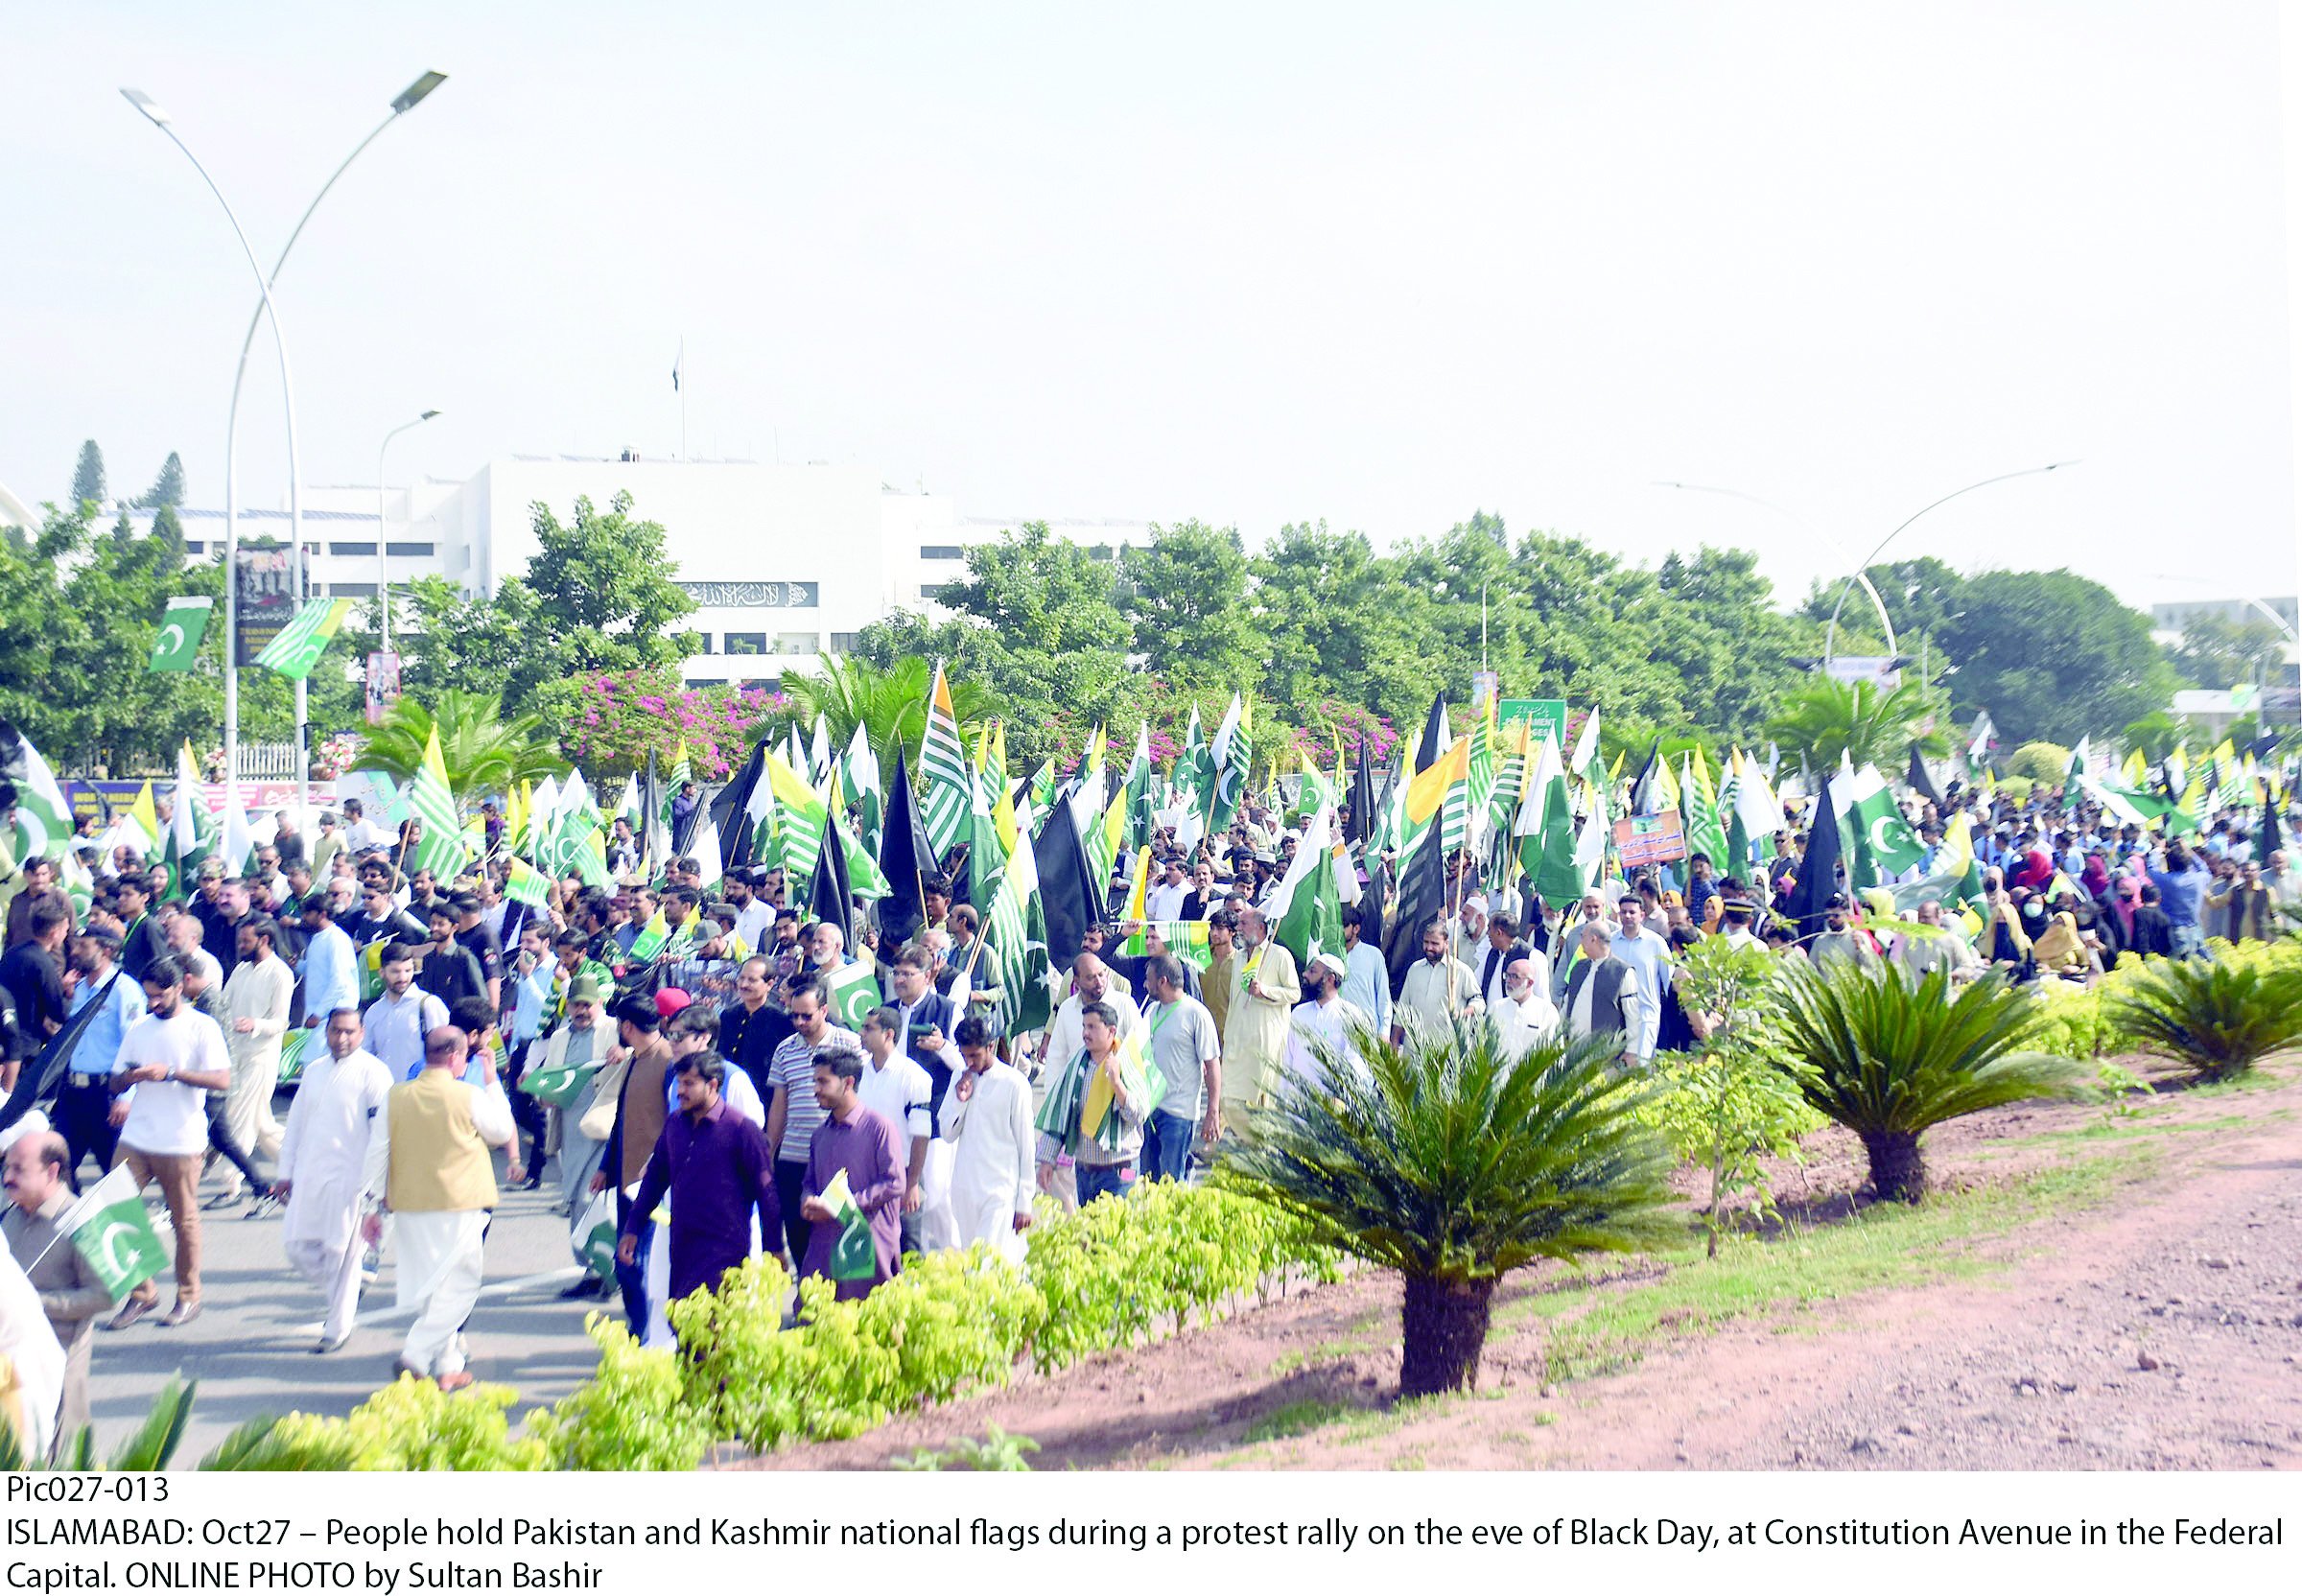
{"x":1332,"y":721}
{"x":607,"y":723}
{"x":333,"y":756}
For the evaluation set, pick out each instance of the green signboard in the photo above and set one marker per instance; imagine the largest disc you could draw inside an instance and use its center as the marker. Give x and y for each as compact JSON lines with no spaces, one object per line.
{"x":1549,"y":714}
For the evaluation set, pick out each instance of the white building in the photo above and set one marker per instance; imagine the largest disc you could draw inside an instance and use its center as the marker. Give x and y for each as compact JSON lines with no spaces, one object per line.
{"x":784,"y":561}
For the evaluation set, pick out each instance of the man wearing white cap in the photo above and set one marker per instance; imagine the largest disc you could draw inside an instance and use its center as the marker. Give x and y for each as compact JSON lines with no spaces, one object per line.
{"x":1322,"y":1025}
{"x":1524,"y":1013}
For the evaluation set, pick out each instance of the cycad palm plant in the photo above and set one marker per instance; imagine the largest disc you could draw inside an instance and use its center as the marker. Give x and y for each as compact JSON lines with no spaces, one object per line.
{"x":2215,"y":1015}
{"x":484,"y":752}
{"x":1888,"y":1056}
{"x":1448,"y":1161}
{"x":890,"y":703}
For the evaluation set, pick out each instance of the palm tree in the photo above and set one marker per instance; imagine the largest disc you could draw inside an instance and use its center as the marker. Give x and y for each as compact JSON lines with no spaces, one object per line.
{"x":1445,"y":1160}
{"x":2215,"y":1015}
{"x":1887,"y":1057}
{"x":1828,"y":718}
{"x":890,"y":703}
{"x":484,"y":752}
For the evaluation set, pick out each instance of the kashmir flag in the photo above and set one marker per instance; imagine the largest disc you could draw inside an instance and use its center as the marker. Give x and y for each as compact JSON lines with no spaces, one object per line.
{"x":853,"y":1257}
{"x":1138,"y":890}
{"x":1015,"y":934}
{"x":440,"y":848}
{"x":1100,"y":841}
{"x":44,"y":816}
{"x":1700,"y":806}
{"x":145,"y":813}
{"x":176,"y":643}
{"x":943,"y":764}
{"x":1483,"y":761}
{"x":297,"y":647}
{"x":1433,"y":800}
{"x":525,"y":884}
{"x":799,"y":811}
{"x":109,"y":1228}
{"x":2135,"y":770}
{"x":542,"y":817}
{"x":651,"y":938}
{"x":1232,"y":751}
{"x":859,"y":777}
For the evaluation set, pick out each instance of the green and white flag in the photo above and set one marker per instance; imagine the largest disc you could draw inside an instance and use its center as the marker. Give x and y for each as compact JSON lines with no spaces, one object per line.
{"x":1304,"y":911}
{"x":864,"y":877}
{"x":294,"y":1046}
{"x":1232,"y":751}
{"x":950,"y":782}
{"x":860,"y":777}
{"x":110,"y":1230}
{"x":440,"y":848}
{"x":799,"y":811}
{"x":853,"y":1256}
{"x":303,"y":640}
{"x":651,"y":938}
{"x":176,"y":645}
{"x":855,"y":993}
{"x":1876,"y":830}
{"x":526,"y":884}
{"x":44,"y":816}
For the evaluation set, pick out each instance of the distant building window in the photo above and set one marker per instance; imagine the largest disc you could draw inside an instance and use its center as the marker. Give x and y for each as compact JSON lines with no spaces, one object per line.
{"x":941,"y":552}
{"x":194,"y":546}
{"x":352,"y":549}
{"x":939,"y":592}
{"x":745,"y":642}
{"x":798,"y":643}
{"x":1100,"y":552}
{"x":351,"y":590}
{"x":703,"y":642}
{"x":846,"y":643}
{"x":417,"y":551}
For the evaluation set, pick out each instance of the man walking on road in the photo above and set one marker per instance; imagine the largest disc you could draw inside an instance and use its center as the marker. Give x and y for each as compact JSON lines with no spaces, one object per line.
{"x":256,"y":996}
{"x":332,"y":1168}
{"x":169,"y":1060}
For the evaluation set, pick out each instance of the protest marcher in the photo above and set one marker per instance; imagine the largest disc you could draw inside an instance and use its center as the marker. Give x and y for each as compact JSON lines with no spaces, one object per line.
{"x":1503,"y":947}
{"x":716,"y":1167}
{"x":256,"y":999}
{"x":71,"y":1294}
{"x":397,"y":1022}
{"x":1366,"y":985}
{"x":333,"y":1162}
{"x":84,"y":1099}
{"x":643,"y":1105}
{"x":1095,"y":1110}
{"x":897,"y":1090}
{"x":441,"y":1190}
{"x":794,"y":1114}
{"x":1438,"y":991}
{"x":329,"y":971}
{"x":1324,"y":1021}
{"x":926,"y":1020}
{"x":1602,"y":994}
{"x":1264,"y":990}
{"x":31,"y":1364}
{"x":989,"y":1124}
{"x":449,"y":972}
{"x":752,"y":1027}
{"x":1524,"y":1015}
{"x":1837,"y":940}
{"x":855,"y":1145}
{"x":168,"y":1060}
{"x":1187,"y":1052}
{"x":1640,"y":946}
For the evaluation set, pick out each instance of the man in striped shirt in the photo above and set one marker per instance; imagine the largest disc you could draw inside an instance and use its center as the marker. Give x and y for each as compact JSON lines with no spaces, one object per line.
{"x":794,"y":1115}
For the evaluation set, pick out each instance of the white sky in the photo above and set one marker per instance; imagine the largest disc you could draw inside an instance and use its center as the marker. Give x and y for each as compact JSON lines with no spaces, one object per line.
{"x":1381,"y":265}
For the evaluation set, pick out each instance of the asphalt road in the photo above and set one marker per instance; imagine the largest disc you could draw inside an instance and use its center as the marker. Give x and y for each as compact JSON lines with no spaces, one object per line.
{"x":250,"y":1349}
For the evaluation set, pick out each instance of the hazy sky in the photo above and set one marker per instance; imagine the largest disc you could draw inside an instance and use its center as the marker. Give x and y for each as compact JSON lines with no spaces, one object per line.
{"x":1380,"y":266}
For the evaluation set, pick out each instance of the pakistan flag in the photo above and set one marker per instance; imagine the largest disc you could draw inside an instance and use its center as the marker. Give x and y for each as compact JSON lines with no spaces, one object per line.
{"x":853,"y":1258}
{"x":110,"y":1230}
{"x":1880,"y":836}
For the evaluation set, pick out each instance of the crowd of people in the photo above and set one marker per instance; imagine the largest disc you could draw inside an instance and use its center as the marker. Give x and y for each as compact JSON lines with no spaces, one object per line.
{"x":709,"y":1099}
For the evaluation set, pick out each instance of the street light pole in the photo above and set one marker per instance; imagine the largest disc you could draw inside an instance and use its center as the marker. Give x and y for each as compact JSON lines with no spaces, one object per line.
{"x":1885,"y":624}
{"x":384,"y":571}
{"x":407,"y":99}
{"x":1830,"y":637}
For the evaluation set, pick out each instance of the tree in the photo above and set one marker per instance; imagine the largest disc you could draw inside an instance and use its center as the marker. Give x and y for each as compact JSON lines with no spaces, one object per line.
{"x":1888,"y":1057}
{"x":2219,"y":653}
{"x":1185,"y":596}
{"x":167,"y":490}
{"x":1449,"y":1161}
{"x":1866,"y":723}
{"x":482,"y":752}
{"x":889,"y":702}
{"x":87,"y":476}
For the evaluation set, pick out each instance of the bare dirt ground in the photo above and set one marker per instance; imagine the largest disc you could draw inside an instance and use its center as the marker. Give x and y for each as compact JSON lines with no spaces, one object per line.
{"x":2158,"y":1325}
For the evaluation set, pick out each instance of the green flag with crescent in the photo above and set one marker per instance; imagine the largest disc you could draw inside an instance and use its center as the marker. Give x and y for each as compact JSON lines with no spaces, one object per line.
{"x":177,"y":642}
{"x":110,"y":1230}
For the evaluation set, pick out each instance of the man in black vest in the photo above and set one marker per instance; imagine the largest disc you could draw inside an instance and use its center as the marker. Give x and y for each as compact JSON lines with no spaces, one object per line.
{"x":1603,"y":995}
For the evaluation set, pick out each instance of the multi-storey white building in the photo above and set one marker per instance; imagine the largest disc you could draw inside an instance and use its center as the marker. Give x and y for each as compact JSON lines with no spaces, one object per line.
{"x":784,"y":561}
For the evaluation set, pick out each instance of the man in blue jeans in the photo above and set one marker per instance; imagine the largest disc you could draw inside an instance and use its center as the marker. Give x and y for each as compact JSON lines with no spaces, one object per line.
{"x":1188,"y":1050}
{"x":1094,"y":1112}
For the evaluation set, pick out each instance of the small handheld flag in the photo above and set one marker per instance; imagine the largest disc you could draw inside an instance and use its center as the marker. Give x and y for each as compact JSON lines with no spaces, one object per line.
{"x":853,"y":1256}
{"x":109,"y":1228}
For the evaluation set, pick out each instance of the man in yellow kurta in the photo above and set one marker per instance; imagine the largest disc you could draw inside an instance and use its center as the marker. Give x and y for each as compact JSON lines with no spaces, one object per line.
{"x":1264,"y":990}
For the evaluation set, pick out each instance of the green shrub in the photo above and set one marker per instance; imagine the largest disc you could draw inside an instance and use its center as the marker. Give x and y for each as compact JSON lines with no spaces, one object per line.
{"x":2041,"y":762}
{"x":2016,"y":789}
{"x":633,"y":1413}
{"x":2069,"y":1023}
{"x":996,"y":1453}
{"x":2215,"y":1015}
{"x":412,"y":1424}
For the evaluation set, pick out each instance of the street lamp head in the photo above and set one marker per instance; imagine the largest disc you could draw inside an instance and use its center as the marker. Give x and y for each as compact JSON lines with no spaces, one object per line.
{"x":426,"y":415}
{"x":414,"y":94}
{"x":146,"y":103}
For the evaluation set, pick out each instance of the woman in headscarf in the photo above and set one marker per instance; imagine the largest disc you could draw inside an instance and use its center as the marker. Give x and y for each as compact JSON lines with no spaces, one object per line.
{"x":2059,"y":951}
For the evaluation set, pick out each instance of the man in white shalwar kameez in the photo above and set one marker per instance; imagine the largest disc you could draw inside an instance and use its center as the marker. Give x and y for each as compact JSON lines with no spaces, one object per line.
{"x":333,"y":1159}
{"x":441,"y":1189}
{"x":1322,"y":1025}
{"x":987,"y":1119}
{"x":256,"y":1002}
{"x":1525,"y":1014}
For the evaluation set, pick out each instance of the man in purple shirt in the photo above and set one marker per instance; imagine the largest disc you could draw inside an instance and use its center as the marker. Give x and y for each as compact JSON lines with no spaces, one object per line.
{"x":718,"y":1168}
{"x":853,"y":1138}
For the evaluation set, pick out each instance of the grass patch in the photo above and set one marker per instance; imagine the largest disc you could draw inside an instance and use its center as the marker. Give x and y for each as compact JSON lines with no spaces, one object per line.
{"x":1593,"y":1333}
{"x":1326,"y":1352}
{"x":1296,"y":1419}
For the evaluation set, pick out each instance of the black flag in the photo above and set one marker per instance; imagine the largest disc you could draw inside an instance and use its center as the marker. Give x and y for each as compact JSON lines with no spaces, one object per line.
{"x":2268,"y":840}
{"x":1642,"y":790}
{"x":40,"y":1075}
{"x":1818,"y":869}
{"x":1434,"y":735}
{"x":1422,"y":900}
{"x":906,"y":858}
{"x":652,"y":815}
{"x":1359,"y":824}
{"x":1920,"y":781}
{"x":830,"y":896}
{"x":1061,"y":859}
{"x":728,"y":805}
